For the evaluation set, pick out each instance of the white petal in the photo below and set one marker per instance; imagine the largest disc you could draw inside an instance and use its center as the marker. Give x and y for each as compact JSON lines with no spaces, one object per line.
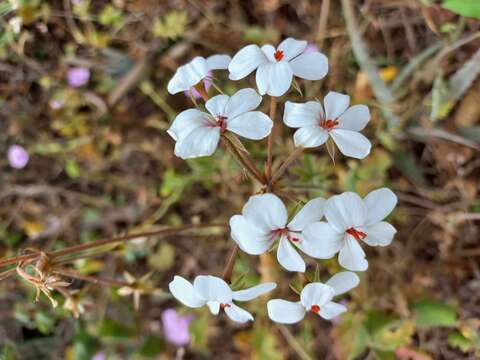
{"x":379,"y":204}
{"x":245,"y":61}
{"x":311,"y":212}
{"x":250,"y":239}
{"x":352,"y":256}
{"x":216,"y":105}
{"x":218,"y":62}
{"x":380,"y":234}
{"x":269,"y":52}
{"x":298,"y":115}
{"x":266,"y":211}
{"x":351,"y":143}
{"x":355,"y":118}
{"x":285,"y":312}
{"x":288,"y":257}
{"x":343,"y":282}
{"x":345,"y":211}
{"x":202,"y":141}
{"x":335,"y":105}
{"x":186,"y":122}
{"x":242,"y":101}
{"x":184,"y":292}
{"x":188,"y":75}
{"x":213,"y":288}
{"x":292,"y":48}
{"x":310,"y":136}
{"x":310,"y":66}
{"x":274,"y":79}
{"x":321,"y":241}
{"x":331,"y":310}
{"x":238,"y":314}
{"x":316,"y":294}
{"x":253,"y":292}
{"x":254,"y":125}
{"x":214,"y":307}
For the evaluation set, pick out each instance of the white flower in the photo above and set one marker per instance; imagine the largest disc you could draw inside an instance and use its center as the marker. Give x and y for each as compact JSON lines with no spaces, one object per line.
{"x":350,"y":220}
{"x":191,"y":74}
{"x":276,"y":67}
{"x":342,"y":124}
{"x":315,"y":297}
{"x":216,"y":294}
{"x":197,"y":133}
{"x":264,"y":219}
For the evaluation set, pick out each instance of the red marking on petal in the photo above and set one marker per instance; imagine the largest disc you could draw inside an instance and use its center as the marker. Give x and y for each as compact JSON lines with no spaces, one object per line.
{"x":358,"y":235}
{"x":278,"y":55}
{"x":328,"y":124}
{"x":315,"y":309}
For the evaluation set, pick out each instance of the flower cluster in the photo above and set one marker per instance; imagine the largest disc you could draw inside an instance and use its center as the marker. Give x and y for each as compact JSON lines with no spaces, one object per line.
{"x":322,"y":228}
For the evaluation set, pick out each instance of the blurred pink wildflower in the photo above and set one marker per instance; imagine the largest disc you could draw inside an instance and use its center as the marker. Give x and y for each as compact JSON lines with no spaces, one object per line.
{"x":78,"y":76}
{"x":17,"y":156}
{"x":175,"y":327}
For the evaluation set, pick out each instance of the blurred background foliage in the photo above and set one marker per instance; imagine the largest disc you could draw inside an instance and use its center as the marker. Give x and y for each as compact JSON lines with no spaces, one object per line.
{"x":83,"y":97}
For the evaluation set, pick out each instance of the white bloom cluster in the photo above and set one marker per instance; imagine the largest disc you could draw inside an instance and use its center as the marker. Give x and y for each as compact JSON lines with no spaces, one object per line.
{"x":264,"y":221}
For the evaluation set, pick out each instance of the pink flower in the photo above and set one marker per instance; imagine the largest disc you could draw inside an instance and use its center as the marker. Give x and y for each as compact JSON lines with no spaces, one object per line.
{"x":175,"y":327}
{"x":17,"y":157}
{"x":99,"y":356}
{"x":78,"y":76}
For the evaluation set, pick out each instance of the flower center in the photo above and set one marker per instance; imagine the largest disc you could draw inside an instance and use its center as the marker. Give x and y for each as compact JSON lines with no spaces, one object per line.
{"x":315,"y":309}
{"x":223,"y":306}
{"x":290,"y":235}
{"x":278,"y":55}
{"x":222,"y":123}
{"x":358,"y":235}
{"x":328,"y":124}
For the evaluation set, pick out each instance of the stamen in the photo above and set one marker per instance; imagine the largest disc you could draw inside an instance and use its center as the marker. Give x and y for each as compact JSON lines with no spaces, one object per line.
{"x":223,"y":306}
{"x":278,"y":55}
{"x":315,"y":309}
{"x":358,"y":235}
{"x":328,"y":124}
{"x":222,"y":123}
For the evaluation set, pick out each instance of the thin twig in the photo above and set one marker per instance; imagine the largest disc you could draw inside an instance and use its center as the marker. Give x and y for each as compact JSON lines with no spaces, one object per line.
{"x":294,"y":343}
{"x":288,"y":161}
{"x":91,"y":279}
{"x":273,"y":110}
{"x":227,"y":273}
{"x":91,"y":245}
{"x":245,"y":161}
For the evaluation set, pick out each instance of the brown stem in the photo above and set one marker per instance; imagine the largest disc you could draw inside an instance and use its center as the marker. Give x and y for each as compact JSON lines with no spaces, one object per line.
{"x":201,"y":90}
{"x":288,"y":161}
{"x":227,"y":273}
{"x":245,"y":161}
{"x":82,"y":247}
{"x":91,"y":279}
{"x":273,"y":110}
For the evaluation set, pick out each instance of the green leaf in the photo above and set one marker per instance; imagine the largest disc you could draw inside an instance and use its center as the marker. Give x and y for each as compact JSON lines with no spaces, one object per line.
{"x":83,"y":345}
{"x":429,"y":313}
{"x":113,"y":329}
{"x":265,"y":345}
{"x":72,"y":169}
{"x":152,"y":346}
{"x":171,"y":26}
{"x":408,"y":165}
{"x":7,"y":352}
{"x":163,"y":258}
{"x":44,"y":322}
{"x":456,"y":339}
{"x":469,"y":8}
{"x":351,"y":336}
